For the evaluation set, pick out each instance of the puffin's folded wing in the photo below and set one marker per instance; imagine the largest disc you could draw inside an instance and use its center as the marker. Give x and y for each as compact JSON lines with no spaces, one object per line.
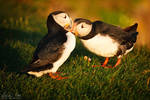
{"x":48,"y":54}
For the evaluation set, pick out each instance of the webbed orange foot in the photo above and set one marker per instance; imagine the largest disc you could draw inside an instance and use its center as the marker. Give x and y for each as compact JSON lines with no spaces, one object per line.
{"x":57,"y":76}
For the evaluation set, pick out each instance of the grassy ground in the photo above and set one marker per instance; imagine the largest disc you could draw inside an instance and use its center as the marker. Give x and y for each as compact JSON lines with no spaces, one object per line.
{"x":19,"y":37}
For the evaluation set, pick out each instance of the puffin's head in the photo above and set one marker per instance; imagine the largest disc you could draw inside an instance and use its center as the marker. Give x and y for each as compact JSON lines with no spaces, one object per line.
{"x":62,"y":19}
{"x":81,"y":27}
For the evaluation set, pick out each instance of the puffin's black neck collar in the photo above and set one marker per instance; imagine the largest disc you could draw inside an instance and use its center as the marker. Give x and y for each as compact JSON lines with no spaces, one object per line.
{"x":90,"y":35}
{"x":53,"y":27}
{"x":97,"y":27}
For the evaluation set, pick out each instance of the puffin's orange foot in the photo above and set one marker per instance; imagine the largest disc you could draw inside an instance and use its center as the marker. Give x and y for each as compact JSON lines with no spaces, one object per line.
{"x":105,"y":62}
{"x":61,"y":78}
{"x":95,"y":65}
{"x":56,"y":76}
{"x":117,"y":63}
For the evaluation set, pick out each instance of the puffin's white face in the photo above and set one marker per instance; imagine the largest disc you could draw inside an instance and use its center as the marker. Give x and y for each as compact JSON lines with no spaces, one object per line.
{"x":82,"y":29}
{"x":63,"y":20}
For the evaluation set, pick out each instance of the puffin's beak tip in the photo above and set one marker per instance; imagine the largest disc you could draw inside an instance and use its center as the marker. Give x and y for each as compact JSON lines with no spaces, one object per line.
{"x":71,"y":30}
{"x":76,"y":34}
{"x":67,"y":27}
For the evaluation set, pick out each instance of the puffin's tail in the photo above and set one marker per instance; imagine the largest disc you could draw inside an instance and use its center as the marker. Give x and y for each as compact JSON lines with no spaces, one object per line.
{"x":132,"y":30}
{"x":26,"y":69}
{"x":34,"y":64}
{"x":37,"y":68}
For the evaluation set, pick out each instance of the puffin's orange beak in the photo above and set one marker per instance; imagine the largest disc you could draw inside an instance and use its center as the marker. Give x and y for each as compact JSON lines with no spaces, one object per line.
{"x":67,"y":27}
{"x":73,"y":29}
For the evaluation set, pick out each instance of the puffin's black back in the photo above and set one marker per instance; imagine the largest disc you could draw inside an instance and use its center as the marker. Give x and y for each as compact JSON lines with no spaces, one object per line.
{"x":49,"y":48}
{"x":55,"y":31}
{"x":125,"y":37}
{"x":122,"y":36}
{"x":115,"y":32}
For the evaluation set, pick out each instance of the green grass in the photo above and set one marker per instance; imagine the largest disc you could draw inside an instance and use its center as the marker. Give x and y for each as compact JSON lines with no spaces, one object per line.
{"x":19,"y":37}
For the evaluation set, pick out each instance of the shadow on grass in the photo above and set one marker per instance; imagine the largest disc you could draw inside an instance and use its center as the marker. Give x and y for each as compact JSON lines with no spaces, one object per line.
{"x":14,"y":57}
{"x":31,"y":38}
{"x":10,"y":59}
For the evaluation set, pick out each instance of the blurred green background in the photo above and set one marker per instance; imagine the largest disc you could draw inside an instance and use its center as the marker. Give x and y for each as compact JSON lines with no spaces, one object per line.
{"x":117,"y":12}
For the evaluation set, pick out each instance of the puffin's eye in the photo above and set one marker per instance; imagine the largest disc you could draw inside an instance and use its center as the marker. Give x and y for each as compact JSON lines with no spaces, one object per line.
{"x":65,"y":17}
{"x":82,"y":26}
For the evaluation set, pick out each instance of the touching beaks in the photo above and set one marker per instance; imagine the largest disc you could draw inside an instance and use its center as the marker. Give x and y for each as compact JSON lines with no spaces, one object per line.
{"x":73,"y":30}
{"x":67,"y":27}
{"x":76,"y":33}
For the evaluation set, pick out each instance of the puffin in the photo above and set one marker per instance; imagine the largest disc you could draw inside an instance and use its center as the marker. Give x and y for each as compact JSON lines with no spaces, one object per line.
{"x":104,"y":39}
{"x":54,"y":48}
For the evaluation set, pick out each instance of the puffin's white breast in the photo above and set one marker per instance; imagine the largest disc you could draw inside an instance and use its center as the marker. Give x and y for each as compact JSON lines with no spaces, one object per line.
{"x":69,"y":46}
{"x":101,"y":45}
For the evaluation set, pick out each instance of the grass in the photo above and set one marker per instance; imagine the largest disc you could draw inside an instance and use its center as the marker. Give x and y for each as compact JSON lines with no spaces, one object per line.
{"x":19,"y":37}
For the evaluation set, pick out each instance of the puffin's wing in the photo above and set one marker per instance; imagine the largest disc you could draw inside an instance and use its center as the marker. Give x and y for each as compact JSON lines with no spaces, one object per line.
{"x":131,"y":33}
{"x":123,"y":36}
{"x":51,"y":51}
{"x":50,"y":48}
{"x":132,"y":28}
{"x":40,"y":45}
{"x":46,"y":53}
{"x":107,"y":29}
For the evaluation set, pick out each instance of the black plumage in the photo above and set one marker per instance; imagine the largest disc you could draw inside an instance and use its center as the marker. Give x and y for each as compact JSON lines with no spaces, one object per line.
{"x":105,"y":39}
{"x":50,"y":47}
{"x":125,"y":37}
